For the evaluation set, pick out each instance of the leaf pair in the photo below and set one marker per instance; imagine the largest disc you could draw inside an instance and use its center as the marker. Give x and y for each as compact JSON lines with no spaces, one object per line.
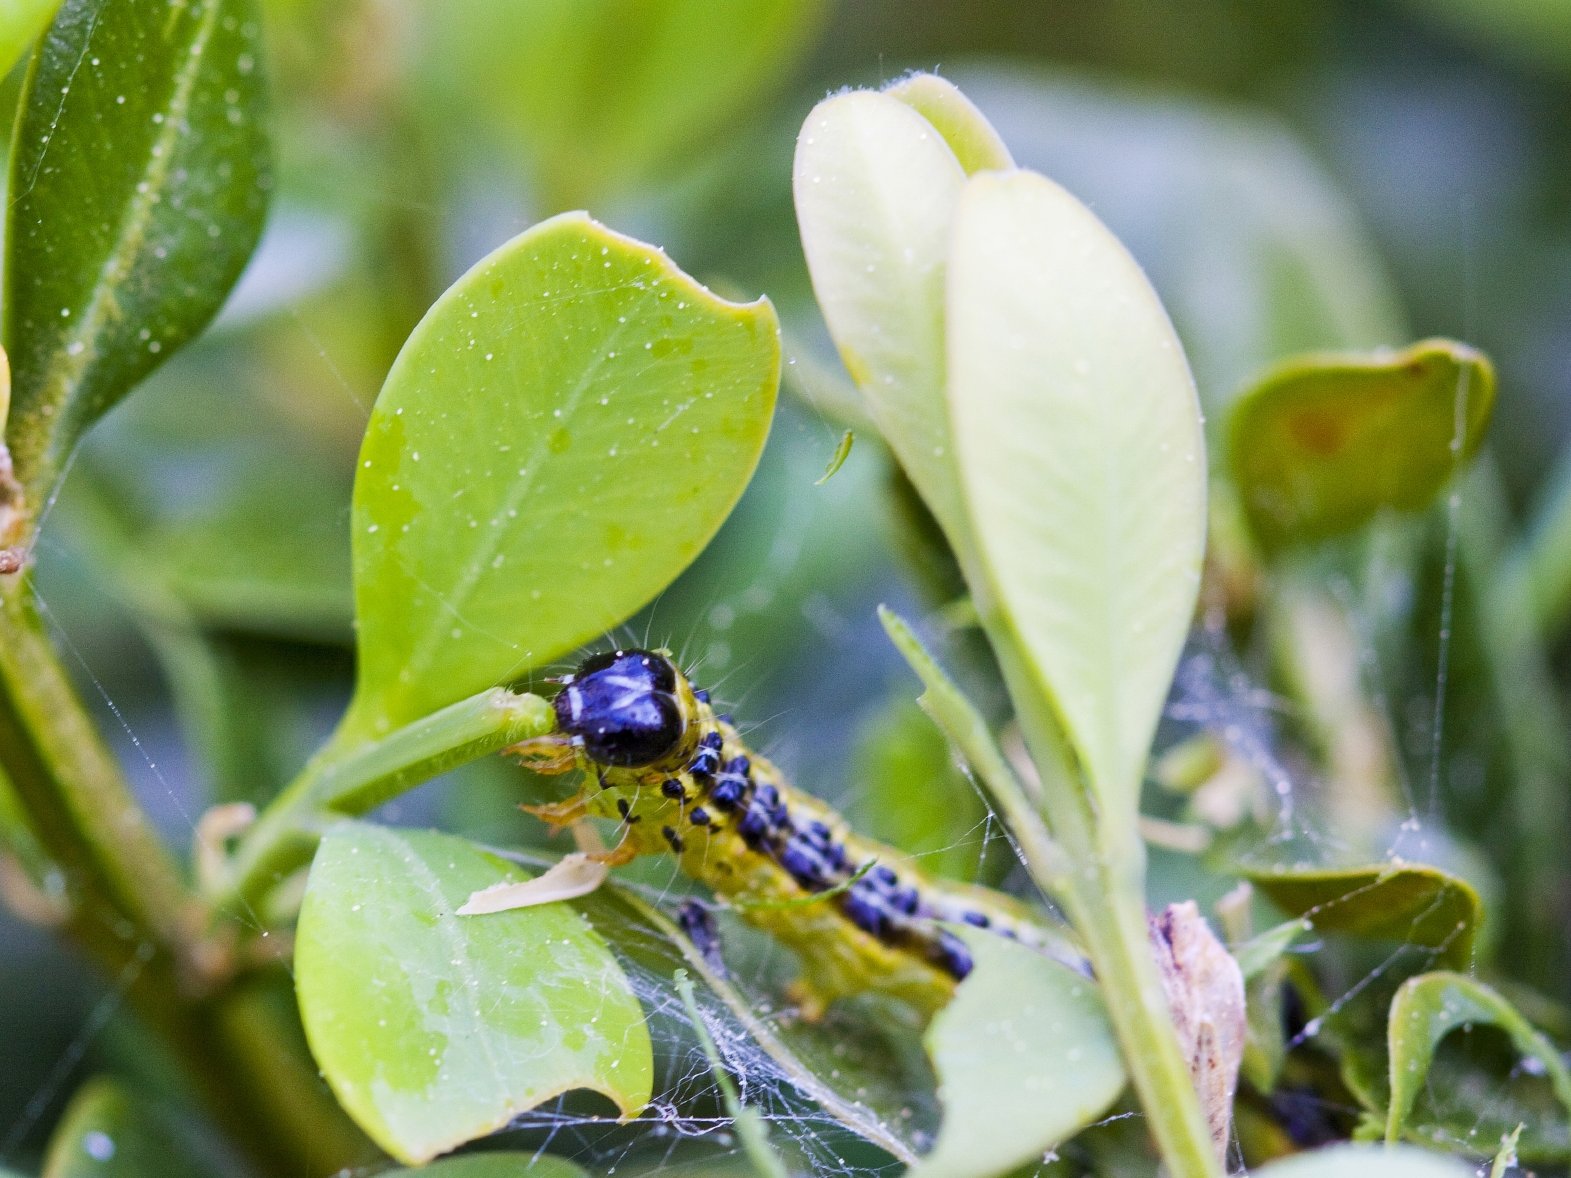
{"x":1028,"y":380}
{"x":1033,"y":389}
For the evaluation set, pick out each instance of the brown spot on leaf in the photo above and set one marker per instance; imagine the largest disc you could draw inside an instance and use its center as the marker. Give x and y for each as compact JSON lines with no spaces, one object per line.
{"x":1316,"y":431}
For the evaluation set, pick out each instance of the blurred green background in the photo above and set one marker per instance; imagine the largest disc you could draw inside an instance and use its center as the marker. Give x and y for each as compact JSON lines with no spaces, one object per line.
{"x":1293,"y":174}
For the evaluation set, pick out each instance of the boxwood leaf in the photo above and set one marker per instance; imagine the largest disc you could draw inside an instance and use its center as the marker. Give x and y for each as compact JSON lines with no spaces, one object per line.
{"x":1417,"y":904}
{"x":1322,"y":443}
{"x":137,"y":192}
{"x":1428,"y":1008}
{"x":1025,"y":1058}
{"x":434,"y":1029}
{"x":560,"y":436}
{"x":1364,"y":1161}
{"x":1078,"y":437}
{"x":875,"y":187}
{"x":977,"y":146}
{"x":109,"y":1132}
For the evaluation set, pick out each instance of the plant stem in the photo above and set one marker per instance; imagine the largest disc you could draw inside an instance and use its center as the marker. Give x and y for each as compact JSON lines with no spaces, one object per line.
{"x":1106,"y":906}
{"x":1104,"y":898}
{"x":130,"y":910}
{"x":76,"y":801}
{"x":351,"y":775}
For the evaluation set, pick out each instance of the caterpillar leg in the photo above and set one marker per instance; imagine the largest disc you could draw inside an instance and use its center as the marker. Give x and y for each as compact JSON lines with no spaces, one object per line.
{"x":618,"y":856}
{"x":549,"y":754}
{"x":561,"y":814}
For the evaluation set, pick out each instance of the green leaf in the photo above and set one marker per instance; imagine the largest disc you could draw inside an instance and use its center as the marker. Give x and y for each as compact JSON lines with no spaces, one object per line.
{"x":562,"y":434}
{"x":20,"y":23}
{"x":977,"y":146}
{"x":1078,"y":437}
{"x":1025,"y":1058}
{"x":434,"y":1029}
{"x":138,"y":187}
{"x":876,"y":187}
{"x":110,"y":1132}
{"x":1506,"y":1157}
{"x":1363,"y":1161}
{"x":1323,"y":443}
{"x":1412,"y":903}
{"x":913,"y":795}
{"x":1427,"y":1009}
{"x":838,"y":458}
{"x":1261,"y":952}
{"x":968,"y":733}
{"x":493,"y":1165}
{"x":604,"y":93}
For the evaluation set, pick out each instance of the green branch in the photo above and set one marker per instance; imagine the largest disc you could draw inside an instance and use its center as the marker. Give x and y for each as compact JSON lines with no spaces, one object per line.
{"x":349,"y":777}
{"x":1104,"y":898}
{"x":129,"y":908}
{"x":75,"y":799}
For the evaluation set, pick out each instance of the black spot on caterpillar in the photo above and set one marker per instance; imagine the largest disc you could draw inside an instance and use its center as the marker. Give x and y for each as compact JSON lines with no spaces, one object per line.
{"x":650,"y":746}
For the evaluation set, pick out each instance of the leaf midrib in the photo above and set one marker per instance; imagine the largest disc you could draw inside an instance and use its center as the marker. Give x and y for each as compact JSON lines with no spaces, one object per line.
{"x":78,"y":352}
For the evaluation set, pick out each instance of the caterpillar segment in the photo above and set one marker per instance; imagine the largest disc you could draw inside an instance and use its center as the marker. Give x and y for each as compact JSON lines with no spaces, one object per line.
{"x":679,"y":780}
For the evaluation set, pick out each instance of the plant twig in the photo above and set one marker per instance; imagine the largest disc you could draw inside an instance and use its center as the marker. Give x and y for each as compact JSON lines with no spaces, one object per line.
{"x":345,"y":779}
{"x":1104,"y":898}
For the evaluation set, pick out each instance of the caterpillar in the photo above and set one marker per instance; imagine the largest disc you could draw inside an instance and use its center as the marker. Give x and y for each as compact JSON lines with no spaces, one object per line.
{"x":679,"y":779}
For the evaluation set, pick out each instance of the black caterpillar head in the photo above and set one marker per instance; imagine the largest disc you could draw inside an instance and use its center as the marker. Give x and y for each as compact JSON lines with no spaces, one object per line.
{"x":624,"y":707}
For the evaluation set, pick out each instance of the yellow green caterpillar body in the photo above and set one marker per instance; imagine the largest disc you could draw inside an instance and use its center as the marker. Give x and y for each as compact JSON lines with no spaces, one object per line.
{"x":680,"y":780}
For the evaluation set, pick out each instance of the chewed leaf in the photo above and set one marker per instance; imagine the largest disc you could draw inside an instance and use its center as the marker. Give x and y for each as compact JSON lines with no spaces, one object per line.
{"x":1416,"y":904}
{"x":560,"y":436}
{"x":573,"y":876}
{"x":138,"y":188}
{"x":1363,"y":1161}
{"x":1427,"y":1009}
{"x":1323,"y":443}
{"x":434,"y":1030}
{"x":109,"y":1131}
{"x":1025,"y":1058}
{"x":1077,"y":433}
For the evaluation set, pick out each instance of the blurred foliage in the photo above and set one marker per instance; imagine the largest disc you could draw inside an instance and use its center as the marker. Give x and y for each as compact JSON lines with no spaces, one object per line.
{"x":1324,"y":175}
